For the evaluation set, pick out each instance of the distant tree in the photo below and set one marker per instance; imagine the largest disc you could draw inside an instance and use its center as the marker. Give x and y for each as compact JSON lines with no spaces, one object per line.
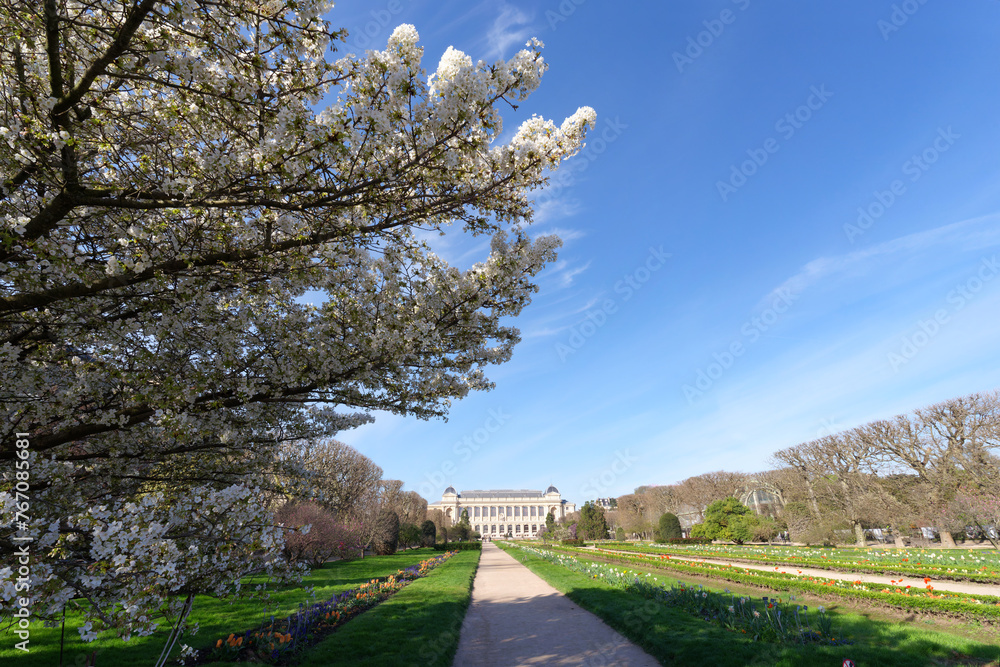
{"x":763,"y":528}
{"x":428,"y":533}
{"x":326,"y":538}
{"x":719,"y":520}
{"x":550,"y":522}
{"x":592,"y":524}
{"x":631,"y":513}
{"x":386,"y":540}
{"x":620,"y":534}
{"x":463,"y":529}
{"x":409,"y":535}
{"x":341,"y":475}
{"x":944,"y":445}
{"x":411,"y":507}
{"x":669,"y":528}
{"x":312,"y":545}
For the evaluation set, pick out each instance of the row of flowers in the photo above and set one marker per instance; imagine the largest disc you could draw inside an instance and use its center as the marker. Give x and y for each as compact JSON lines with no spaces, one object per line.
{"x":923,"y":598}
{"x":981,"y":567}
{"x":274,"y":641}
{"x":769,"y":619}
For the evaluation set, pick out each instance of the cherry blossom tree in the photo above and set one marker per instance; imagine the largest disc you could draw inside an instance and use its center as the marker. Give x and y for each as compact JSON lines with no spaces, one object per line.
{"x":176,"y":176}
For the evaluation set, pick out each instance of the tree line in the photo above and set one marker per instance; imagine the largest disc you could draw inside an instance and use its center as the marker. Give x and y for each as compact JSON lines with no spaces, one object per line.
{"x":934,"y":467}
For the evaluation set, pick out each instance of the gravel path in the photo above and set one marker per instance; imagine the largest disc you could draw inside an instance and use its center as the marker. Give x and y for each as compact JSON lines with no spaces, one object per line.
{"x":865,"y":577}
{"x":515,"y":618}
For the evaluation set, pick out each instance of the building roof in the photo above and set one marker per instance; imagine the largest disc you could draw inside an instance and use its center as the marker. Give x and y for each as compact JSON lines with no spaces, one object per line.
{"x":500,"y":493}
{"x":552,"y":489}
{"x":450,"y":489}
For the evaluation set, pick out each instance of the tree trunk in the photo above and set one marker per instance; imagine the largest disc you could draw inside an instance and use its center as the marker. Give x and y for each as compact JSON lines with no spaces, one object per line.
{"x":859,"y":534}
{"x":947,"y":541}
{"x":812,"y":498}
{"x":900,"y":544}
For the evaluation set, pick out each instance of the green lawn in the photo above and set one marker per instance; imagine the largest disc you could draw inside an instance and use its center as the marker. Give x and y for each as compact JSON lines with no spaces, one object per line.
{"x":420,"y":625}
{"x":216,"y":619}
{"x":674,"y":637}
{"x":974,"y":564}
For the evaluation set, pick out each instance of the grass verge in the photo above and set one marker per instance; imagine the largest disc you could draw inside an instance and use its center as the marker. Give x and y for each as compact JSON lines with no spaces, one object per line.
{"x":420,"y":625}
{"x":216,"y":618}
{"x":672,"y":636}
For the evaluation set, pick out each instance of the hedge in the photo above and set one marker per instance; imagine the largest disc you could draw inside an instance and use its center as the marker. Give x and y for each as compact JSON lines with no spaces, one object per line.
{"x":574,"y":543}
{"x":459,"y":546}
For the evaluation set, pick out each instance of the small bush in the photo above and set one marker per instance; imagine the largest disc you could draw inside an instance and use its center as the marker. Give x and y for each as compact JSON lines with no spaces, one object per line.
{"x":669,"y":528}
{"x":459,"y":546}
{"x":574,"y":543}
{"x":688,"y":540}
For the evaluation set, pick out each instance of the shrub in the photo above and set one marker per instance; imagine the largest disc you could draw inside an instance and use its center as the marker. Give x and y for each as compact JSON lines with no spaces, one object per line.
{"x":409,"y":535}
{"x":669,"y":528}
{"x":573,"y":542}
{"x":428,"y":533}
{"x":620,"y":534}
{"x":386,"y":540}
{"x":326,"y":539}
{"x":592,"y":525}
{"x":722,"y":521}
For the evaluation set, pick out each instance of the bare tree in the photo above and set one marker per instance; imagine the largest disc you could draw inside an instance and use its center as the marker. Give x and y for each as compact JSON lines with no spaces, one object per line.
{"x":945,"y":445}
{"x":342,"y":475}
{"x":632,"y":514}
{"x":795,"y":459}
{"x":411,"y":507}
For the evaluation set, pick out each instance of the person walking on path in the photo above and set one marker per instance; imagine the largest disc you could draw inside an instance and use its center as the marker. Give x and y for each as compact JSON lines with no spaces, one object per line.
{"x":516,"y":619}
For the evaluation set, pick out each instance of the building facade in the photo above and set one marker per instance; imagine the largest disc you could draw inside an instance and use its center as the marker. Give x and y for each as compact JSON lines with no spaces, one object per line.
{"x":496,"y":513}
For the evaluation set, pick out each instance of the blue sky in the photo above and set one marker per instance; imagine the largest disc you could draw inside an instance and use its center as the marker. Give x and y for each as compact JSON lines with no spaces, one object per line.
{"x":786,"y":223}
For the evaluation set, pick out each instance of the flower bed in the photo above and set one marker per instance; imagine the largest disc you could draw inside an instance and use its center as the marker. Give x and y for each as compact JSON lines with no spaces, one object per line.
{"x":926,"y":599}
{"x":275,"y":641}
{"x":973,"y":566}
{"x":775,"y":620}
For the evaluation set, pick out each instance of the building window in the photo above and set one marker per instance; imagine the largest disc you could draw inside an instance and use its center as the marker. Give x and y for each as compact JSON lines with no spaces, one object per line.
{"x":541,"y":511}
{"x":532,"y":510}
{"x":517,"y":511}
{"x":510,"y":512}
{"x":517,"y":528}
{"x":524,"y":511}
{"x":494,"y":529}
{"x":510,"y":529}
{"x":493,"y":511}
{"x":525,"y":527}
{"x":534,"y":528}
{"x":476,"y":510}
{"x":477,"y":528}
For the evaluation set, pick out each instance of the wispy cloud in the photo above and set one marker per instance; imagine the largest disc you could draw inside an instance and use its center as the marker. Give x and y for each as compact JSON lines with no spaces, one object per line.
{"x":563,"y":233}
{"x":510,"y":28}
{"x":566,"y":273}
{"x":972,"y":234}
{"x":554,"y":209}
